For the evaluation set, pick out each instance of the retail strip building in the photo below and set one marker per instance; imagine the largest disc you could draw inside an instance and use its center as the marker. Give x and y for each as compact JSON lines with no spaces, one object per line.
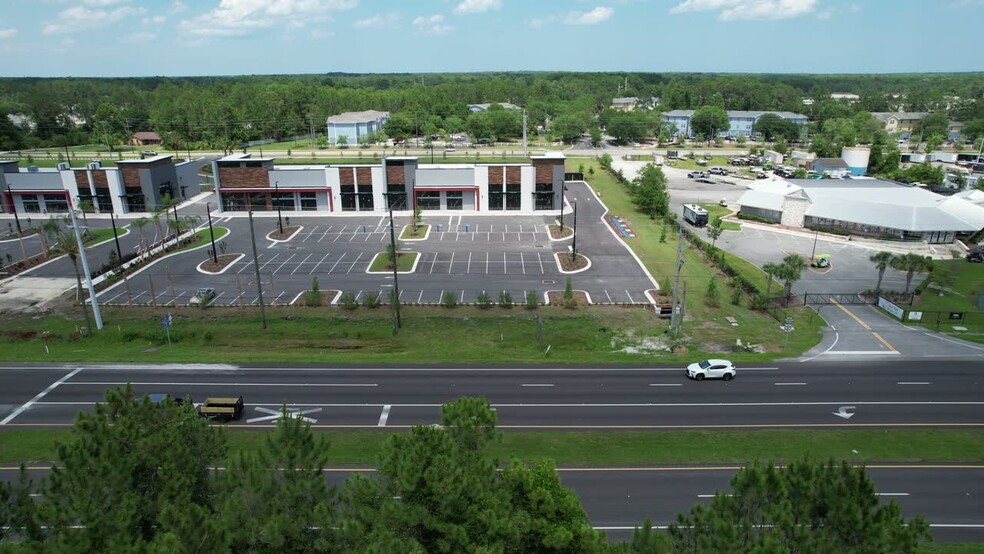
{"x":401,"y":182}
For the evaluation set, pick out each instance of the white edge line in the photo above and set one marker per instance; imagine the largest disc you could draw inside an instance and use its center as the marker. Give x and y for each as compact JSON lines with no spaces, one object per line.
{"x":39,"y":396}
{"x":609,"y":405}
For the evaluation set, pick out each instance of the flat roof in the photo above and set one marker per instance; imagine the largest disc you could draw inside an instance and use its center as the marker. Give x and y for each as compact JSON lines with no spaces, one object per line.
{"x":147,"y":160}
{"x":357,"y":117}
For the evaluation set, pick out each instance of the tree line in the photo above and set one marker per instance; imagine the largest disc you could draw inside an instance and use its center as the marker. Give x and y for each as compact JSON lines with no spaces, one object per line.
{"x":223,"y":112}
{"x":138,"y":476}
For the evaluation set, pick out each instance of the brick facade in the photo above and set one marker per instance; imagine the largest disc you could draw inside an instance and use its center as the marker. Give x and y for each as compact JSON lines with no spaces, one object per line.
{"x":495,"y":174}
{"x":244,"y":177}
{"x":544,"y":170}
{"x":364,"y":175}
{"x":512,"y":175}
{"x":131,"y":176}
{"x":395,"y":174}
{"x":346,"y":175}
{"x":99,"y":179}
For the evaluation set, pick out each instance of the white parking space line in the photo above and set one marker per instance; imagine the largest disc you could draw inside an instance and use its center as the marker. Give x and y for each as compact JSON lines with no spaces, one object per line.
{"x":433,"y":262}
{"x":384,"y":416}
{"x":450,"y":265}
{"x":468,"y":270}
{"x":486,"y":263}
{"x":914,"y":383}
{"x":275,"y":256}
{"x":665,"y":385}
{"x":315,"y":268}
{"x":542,"y":271}
{"x":39,"y":396}
{"x":302,"y":263}
{"x":609,"y":297}
{"x":281,"y":266}
{"x":630,"y":296}
{"x":355,"y":262}
{"x":522,"y":260}
{"x":420,"y":297}
{"x":277,"y":299}
{"x":789,"y":384}
{"x":505,"y":270}
{"x":892,"y":494}
{"x":207,"y":383}
{"x":537,"y":384}
{"x":337,"y":262}
{"x":217,"y":296}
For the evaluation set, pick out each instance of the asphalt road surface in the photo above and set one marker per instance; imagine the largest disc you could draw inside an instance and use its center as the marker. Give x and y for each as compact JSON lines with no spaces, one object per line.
{"x":896,"y":393}
{"x":951,"y":497}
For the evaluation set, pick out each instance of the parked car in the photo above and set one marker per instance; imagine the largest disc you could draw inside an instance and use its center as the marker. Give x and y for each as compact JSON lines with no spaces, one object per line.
{"x":695,"y":174}
{"x":202,"y":297}
{"x":718,"y":171}
{"x":712,"y":369}
{"x":149,"y":153}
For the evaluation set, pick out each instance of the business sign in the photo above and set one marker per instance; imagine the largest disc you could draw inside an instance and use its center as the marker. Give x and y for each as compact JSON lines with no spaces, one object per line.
{"x":914,"y":316}
{"x":890,"y":308}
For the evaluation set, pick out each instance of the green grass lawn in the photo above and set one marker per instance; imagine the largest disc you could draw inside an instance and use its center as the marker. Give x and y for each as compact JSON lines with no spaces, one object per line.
{"x":404,"y":261}
{"x":100,"y":234}
{"x":203,"y":236}
{"x":409,"y":233}
{"x":717,"y":211}
{"x":966,"y":283}
{"x":623,"y":448}
{"x":691,"y":165}
{"x":706,"y":324}
{"x":951,"y":549}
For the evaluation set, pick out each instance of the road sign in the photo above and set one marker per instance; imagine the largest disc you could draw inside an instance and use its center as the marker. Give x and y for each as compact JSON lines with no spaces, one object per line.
{"x":789,"y":320}
{"x":166,"y":320}
{"x":787,"y":328}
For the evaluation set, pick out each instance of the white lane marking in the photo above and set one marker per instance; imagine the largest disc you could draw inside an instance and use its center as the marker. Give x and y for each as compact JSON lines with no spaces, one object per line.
{"x":198,"y":367}
{"x":207,"y":384}
{"x":836,"y":338}
{"x":302,"y":263}
{"x":914,"y":383}
{"x":384,"y":416}
{"x":39,"y":396}
{"x":537,"y":384}
{"x":953,"y":341}
{"x":789,"y":384}
{"x":710,"y":495}
{"x":665,"y":385}
{"x":862,"y":353}
{"x":892,"y":494}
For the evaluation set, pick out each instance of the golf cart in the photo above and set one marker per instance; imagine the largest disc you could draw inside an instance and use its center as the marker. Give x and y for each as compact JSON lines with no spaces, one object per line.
{"x":821,"y":261}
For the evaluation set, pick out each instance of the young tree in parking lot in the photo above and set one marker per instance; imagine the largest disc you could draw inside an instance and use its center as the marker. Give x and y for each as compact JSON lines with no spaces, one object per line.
{"x":708,"y":121}
{"x":802,"y":507}
{"x":911,"y":263}
{"x":714,"y":230}
{"x":882,"y":261}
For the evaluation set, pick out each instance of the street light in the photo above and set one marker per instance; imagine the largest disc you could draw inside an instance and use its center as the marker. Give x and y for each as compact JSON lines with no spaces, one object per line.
{"x":280,"y":222}
{"x":211,"y":233}
{"x":13,"y":209}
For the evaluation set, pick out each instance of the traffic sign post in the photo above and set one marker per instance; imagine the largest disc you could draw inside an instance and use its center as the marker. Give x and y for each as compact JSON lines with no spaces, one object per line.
{"x":166,"y":322}
{"x":787,"y":328}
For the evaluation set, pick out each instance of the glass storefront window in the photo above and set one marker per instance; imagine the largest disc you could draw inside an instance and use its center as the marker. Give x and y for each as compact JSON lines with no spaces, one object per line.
{"x":452,"y":199}
{"x":429,"y":200}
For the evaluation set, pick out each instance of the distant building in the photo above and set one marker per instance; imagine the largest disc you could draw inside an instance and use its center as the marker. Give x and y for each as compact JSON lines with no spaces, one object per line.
{"x":485,"y":107}
{"x":741,"y":122}
{"x":22,"y":121}
{"x":145,"y":138}
{"x":834,"y":167}
{"x":355,"y":126}
{"x":627,"y":104}
{"x":846,"y":96}
{"x":864,"y":206}
{"x":900,"y":122}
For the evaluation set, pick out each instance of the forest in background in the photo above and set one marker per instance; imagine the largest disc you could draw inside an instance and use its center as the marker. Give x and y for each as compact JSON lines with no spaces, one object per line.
{"x":217,"y":112}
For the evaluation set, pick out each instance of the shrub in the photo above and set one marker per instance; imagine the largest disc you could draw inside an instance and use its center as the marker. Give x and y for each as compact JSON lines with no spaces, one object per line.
{"x":747,"y":217}
{"x":532,"y":301}
{"x":449,"y":299}
{"x":570,"y":303}
{"x":713,"y":294}
{"x":348,"y":302}
{"x":370,"y":300}
{"x":568,"y":290}
{"x":313,"y":296}
{"x":484,"y":301}
{"x":735,"y":294}
{"x":505,"y":300}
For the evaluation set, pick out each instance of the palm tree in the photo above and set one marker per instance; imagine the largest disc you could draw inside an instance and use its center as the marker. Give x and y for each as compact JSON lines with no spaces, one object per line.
{"x":139,"y":225}
{"x":68,"y":244}
{"x":790,"y":271}
{"x":911,"y":263}
{"x":882,"y":261}
{"x":770,"y":269}
{"x":49,"y":229}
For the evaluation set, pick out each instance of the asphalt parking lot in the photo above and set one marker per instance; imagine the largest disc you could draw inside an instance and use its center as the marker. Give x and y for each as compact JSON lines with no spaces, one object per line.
{"x":464,"y":254}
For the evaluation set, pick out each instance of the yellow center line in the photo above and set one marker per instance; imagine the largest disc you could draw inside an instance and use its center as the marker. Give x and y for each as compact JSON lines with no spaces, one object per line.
{"x":848,"y":312}
{"x":885,"y":342}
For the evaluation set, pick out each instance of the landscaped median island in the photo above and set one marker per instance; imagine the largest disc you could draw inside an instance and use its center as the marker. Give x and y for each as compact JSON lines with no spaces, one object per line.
{"x":289,"y":232}
{"x":415,"y":232}
{"x":383,"y":262}
{"x":560,"y":233}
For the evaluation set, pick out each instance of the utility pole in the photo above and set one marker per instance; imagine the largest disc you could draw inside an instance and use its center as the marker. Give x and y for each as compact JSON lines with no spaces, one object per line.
{"x":525,"y":151}
{"x":88,"y":275}
{"x":13,"y":210}
{"x":211,"y":233}
{"x":280,"y":221}
{"x":311,"y":122}
{"x":676,"y":278}
{"x":396,"y":279}
{"x":574,"y":246}
{"x":256,"y":267}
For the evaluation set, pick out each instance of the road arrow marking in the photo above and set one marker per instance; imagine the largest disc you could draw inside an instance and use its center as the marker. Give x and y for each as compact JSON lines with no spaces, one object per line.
{"x":843,"y":412}
{"x":278,"y":414}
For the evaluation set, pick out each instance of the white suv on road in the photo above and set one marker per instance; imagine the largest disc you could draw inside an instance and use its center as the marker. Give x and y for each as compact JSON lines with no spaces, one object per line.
{"x":712,"y":369}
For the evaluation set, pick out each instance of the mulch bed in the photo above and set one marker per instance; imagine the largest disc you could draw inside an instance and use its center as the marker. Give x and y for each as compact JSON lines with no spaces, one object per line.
{"x":557,"y":233}
{"x":556,"y":298}
{"x":288,"y":231}
{"x":567,"y":264}
{"x":224,"y":261}
{"x":326,"y":298}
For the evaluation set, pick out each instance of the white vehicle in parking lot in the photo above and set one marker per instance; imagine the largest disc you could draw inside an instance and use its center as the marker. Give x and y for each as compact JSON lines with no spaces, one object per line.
{"x":712,"y":369}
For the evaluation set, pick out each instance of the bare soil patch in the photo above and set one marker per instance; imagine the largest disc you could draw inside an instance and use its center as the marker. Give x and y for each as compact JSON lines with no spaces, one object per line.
{"x":572,"y":263}
{"x":556,"y":298}
{"x":557,"y":232}
{"x":223,"y":261}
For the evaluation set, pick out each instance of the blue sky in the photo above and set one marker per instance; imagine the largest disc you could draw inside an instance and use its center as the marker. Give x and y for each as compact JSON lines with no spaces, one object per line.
{"x":221,"y":37}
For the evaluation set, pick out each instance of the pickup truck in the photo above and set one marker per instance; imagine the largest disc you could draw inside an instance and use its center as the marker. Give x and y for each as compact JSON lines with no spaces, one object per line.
{"x":222,"y":409}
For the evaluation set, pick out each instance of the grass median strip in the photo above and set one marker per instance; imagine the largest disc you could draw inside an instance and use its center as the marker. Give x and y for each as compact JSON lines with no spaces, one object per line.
{"x":597,"y":448}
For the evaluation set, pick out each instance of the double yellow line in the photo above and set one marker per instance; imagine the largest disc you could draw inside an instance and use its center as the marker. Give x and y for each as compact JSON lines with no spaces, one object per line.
{"x":865,"y":325}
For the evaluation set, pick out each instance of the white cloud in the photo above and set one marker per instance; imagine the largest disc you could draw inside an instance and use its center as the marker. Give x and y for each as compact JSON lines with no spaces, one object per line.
{"x":177,"y":7}
{"x":81,"y":18}
{"x":100,"y":2}
{"x":432,"y":24}
{"x":597,"y":15}
{"x":541,"y":22}
{"x":389,"y":20}
{"x":236,"y":18}
{"x":733,"y":10}
{"x":477,"y":6}
{"x":7,"y":33}
{"x":140,"y":37}
{"x":826,"y":14}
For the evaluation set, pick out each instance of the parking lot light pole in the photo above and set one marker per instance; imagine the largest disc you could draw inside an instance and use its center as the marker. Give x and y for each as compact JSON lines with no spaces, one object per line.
{"x":816,"y":236}
{"x":256,"y":267}
{"x":211,"y":233}
{"x":574,"y":246}
{"x":280,"y":221}
{"x":116,"y":237}
{"x":396,"y":279}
